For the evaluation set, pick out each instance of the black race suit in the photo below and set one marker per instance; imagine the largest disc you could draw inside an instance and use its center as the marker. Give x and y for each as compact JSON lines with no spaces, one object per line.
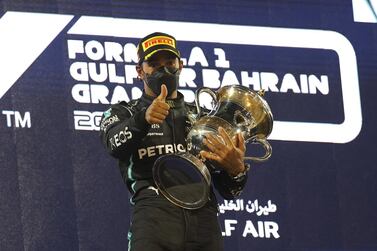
{"x":156,"y":223}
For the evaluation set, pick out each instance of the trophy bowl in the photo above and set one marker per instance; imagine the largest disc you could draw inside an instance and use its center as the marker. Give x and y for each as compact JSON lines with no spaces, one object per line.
{"x":237,"y":110}
{"x":183,"y":178}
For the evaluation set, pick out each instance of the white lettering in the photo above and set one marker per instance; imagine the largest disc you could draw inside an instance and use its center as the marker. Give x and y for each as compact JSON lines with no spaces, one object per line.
{"x":130,"y":54}
{"x":160,"y":148}
{"x":79,"y":71}
{"x":271,"y":228}
{"x":130,"y":73}
{"x":197,"y":56}
{"x":112,"y":143}
{"x":128,"y":133}
{"x":322,"y":85}
{"x":119,"y":94}
{"x":151,"y":151}
{"x":88,"y":121}
{"x":253,"y":81}
{"x":117,"y":143}
{"x":221,"y":61}
{"x":211,"y":78}
{"x":289,"y":83}
{"x":99,"y":94}
{"x":250,"y":229}
{"x":109,"y":121}
{"x":142,"y":152}
{"x":9,"y":114}
{"x":22,"y":122}
{"x":228,"y":225}
{"x":81,"y":93}
{"x":122,"y":137}
{"x":100,"y":76}
{"x":19,"y":120}
{"x":94,"y":50}
{"x":304,"y":83}
{"x":136,"y":92}
{"x":113,"y":51}
{"x":113,"y":78}
{"x":266,"y":229}
{"x":102,"y":72}
{"x":75,"y":47}
{"x":187,"y":78}
{"x":85,"y":93}
{"x":169,"y":149}
{"x":269,"y":81}
{"x":229,"y":78}
{"x":181,"y":148}
{"x":292,"y":38}
{"x":260,"y":229}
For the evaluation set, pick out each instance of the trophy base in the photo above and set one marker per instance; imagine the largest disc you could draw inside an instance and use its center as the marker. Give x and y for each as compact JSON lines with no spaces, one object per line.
{"x":183,"y":179}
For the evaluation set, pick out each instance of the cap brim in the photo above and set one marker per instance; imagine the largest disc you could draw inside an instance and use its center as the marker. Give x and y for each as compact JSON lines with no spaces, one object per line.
{"x":162,"y":49}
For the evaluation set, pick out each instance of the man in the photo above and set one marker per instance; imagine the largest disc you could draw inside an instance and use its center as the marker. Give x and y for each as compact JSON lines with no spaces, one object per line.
{"x":157,"y":122}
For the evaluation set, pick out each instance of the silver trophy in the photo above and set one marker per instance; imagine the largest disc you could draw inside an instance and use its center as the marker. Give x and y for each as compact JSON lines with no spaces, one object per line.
{"x":183,"y":178}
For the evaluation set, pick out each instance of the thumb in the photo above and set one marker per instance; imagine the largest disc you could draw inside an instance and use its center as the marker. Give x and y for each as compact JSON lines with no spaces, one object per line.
{"x":163,"y":93}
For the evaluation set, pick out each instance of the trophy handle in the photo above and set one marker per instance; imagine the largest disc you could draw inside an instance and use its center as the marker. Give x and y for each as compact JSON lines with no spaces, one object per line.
{"x":267,"y":147}
{"x":200,"y":91}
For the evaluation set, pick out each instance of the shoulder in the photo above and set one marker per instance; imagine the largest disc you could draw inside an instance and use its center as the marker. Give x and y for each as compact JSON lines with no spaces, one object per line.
{"x":121,"y":109}
{"x":118,"y":112}
{"x":130,"y":107}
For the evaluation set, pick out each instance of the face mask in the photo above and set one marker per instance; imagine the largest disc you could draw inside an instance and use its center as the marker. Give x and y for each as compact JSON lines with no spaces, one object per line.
{"x":163,"y":75}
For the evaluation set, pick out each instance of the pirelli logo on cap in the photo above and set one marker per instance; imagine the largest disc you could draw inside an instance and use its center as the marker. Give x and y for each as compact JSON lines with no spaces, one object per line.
{"x":159,"y":40}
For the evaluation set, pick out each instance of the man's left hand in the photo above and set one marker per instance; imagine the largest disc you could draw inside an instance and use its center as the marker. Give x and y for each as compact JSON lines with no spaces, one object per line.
{"x":225,"y":151}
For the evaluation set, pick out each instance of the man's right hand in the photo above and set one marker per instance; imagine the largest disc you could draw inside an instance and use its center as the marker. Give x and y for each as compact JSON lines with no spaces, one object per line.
{"x":159,"y":109}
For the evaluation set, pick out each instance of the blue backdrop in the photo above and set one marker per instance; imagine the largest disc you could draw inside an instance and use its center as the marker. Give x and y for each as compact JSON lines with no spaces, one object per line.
{"x":62,"y":63}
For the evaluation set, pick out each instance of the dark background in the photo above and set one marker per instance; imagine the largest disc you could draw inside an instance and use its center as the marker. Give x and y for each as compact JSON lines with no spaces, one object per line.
{"x":59,"y":190}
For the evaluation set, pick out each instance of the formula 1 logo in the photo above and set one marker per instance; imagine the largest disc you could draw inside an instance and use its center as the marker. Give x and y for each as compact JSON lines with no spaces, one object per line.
{"x":365,"y":11}
{"x":38,"y":40}
{"x":22,"y":40}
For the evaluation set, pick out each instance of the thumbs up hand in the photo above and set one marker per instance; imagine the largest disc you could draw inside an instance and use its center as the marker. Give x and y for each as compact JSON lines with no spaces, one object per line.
{"x":159,"y":109}
{"x":163,"y":93}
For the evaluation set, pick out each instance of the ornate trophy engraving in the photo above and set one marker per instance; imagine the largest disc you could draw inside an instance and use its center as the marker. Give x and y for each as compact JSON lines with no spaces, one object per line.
{"x":183,"y":178}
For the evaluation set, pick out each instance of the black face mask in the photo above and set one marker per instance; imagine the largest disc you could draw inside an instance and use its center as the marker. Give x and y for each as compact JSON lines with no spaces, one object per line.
{"x":163,"y":75}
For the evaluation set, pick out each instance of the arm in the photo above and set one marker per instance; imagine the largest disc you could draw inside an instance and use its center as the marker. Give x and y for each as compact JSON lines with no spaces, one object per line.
{"x":121,"y":128}
{"x":230,"y":187}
